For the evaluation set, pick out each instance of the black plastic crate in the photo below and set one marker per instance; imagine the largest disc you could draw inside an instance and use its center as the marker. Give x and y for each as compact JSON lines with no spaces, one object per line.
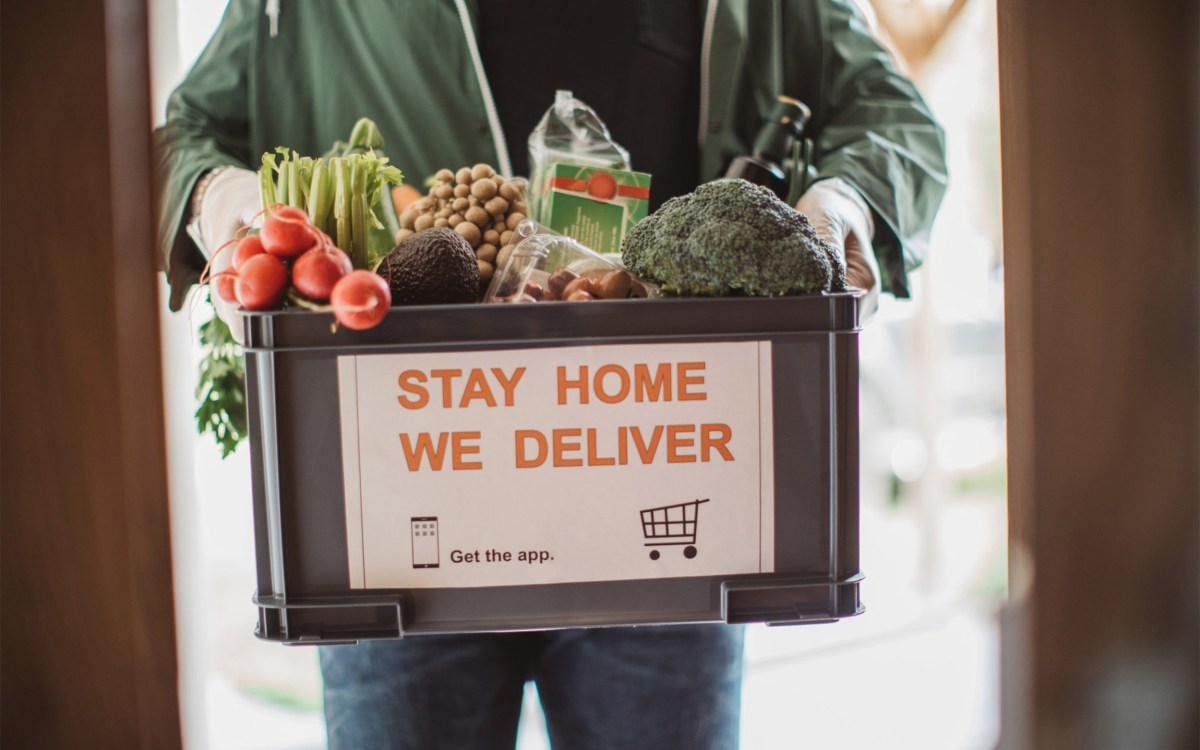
{"x":304,"y":539}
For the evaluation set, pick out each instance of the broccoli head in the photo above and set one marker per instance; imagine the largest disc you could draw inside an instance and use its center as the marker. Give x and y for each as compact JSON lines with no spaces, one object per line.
{"x":732,"y":237}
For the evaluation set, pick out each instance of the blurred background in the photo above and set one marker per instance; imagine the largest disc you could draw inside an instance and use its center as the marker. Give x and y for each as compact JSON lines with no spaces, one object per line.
{"x":919,"y":670}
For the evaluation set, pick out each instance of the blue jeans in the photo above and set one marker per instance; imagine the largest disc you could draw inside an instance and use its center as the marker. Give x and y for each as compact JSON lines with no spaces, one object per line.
{"x":662,"y":687}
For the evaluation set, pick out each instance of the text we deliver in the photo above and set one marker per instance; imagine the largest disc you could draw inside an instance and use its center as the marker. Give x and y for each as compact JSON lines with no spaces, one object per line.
{"x":580,"y":389}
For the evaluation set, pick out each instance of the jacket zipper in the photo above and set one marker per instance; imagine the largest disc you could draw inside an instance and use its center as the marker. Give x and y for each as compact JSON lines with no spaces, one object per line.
{"x":489,"y":104}
{"x":273,"y":16}
{"x":710,"y":17}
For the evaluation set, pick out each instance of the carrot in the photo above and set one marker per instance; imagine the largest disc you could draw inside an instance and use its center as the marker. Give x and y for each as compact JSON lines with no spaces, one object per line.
{"x":403,"y":196}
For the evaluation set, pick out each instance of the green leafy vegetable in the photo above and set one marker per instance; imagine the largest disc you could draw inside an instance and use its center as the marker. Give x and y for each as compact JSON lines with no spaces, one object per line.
{"x":363,"y":138}
{"x":340,"y":194}
{"x":340,"y":191}
{"x":221,"y":390}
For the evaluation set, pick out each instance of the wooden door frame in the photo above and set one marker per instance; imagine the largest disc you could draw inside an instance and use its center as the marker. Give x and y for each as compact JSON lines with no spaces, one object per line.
{"x":88,"y":630}
{"x":1100,"y":141}
{"x":1099,"y":124}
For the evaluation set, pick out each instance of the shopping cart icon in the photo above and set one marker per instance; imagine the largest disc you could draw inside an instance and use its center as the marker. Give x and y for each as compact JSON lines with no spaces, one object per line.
{"x":672,"y":525}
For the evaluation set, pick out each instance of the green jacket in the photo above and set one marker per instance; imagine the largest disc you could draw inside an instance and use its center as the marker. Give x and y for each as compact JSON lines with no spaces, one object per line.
{"x":302,"y":78}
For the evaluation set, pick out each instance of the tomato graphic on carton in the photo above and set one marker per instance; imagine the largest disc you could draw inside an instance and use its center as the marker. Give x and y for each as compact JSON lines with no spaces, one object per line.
{"x":594,"y":205}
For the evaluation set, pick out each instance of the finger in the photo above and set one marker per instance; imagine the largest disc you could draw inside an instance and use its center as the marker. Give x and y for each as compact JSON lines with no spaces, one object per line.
{"x":228,"y":312}
{"x":833,"y":237}
{"x":830,"y":229}
{"x":858,"y":272}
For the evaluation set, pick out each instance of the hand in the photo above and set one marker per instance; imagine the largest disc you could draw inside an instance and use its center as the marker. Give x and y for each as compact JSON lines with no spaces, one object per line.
{"x":842,"y":218}
{"x":227,"y":205}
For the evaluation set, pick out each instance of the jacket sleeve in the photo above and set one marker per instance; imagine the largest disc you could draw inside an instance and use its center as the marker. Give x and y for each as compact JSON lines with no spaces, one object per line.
{"x":871,"y":126}
{"x":207,"y":126}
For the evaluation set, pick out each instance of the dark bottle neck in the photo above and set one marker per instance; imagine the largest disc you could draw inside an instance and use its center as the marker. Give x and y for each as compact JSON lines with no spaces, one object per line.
{"x":782,"y":126}
{"x":760,"y":172}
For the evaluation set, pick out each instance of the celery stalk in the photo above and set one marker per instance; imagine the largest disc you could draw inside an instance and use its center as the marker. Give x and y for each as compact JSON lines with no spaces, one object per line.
{"x":305,"y":170}
{"x":319,"y":195}
{"x":327,"y":201}
{"x":281,"y":185}
{"x":295,"y":198}
{"x":358,"y":209}
{"x":365,"y":136}
{"x":341,"y":203}
{"x":266,"y":188}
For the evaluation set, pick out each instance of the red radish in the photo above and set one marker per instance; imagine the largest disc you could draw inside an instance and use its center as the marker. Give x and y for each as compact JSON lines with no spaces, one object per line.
{"x":262,"y":282}
{"x":360,"y":299}
{"x":205,"y":277}
{"x":287,"y":233}
{"x":247,"y":248}
{"x":315,"y":272}
{"x":225,"y":283}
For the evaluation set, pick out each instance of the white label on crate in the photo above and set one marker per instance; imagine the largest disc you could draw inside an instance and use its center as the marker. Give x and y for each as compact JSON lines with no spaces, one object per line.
{"x":558,"y":465}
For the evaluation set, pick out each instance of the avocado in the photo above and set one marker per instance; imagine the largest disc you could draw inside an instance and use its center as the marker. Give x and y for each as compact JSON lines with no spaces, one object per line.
{"x":432,"y":267}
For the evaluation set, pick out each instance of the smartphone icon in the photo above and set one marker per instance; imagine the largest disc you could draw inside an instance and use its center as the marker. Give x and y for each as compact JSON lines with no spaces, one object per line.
{"x":425,"y":542}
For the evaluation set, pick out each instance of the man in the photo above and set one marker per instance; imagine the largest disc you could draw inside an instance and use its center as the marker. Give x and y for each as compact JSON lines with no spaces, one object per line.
{"x":683,"y":84}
